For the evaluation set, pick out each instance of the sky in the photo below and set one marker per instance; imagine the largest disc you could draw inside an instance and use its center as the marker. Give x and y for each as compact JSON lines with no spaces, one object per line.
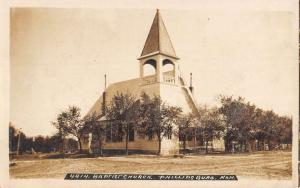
{"x":58,"y":57}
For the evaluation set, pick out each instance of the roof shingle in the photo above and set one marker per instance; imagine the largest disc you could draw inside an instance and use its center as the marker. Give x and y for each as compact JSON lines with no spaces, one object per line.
{"x":158,"y":40}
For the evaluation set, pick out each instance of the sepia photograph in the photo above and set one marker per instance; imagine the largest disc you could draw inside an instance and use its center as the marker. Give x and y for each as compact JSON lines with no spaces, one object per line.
{"x":204,"y":94}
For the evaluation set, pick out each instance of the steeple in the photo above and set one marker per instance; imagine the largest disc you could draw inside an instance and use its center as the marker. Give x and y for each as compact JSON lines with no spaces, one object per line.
{"x":158,"y":52}
{"x":158,"y":40}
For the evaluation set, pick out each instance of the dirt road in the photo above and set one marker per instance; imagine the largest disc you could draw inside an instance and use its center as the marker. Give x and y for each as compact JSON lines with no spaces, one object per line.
{"x":262,"y":165}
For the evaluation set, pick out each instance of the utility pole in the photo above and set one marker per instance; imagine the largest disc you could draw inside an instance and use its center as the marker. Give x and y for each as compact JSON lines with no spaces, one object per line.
{"x":19,"y":138}
{"x":104,"y":98}
{"x":104,"y":81}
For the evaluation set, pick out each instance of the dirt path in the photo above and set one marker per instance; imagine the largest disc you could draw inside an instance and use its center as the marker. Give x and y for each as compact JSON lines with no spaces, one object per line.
{"x":263,"y":165}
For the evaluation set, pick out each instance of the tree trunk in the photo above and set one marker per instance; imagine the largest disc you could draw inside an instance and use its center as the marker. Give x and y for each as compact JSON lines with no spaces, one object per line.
{"x":184,"y":144}
{"x":226,"y":140}
{"x":80,"y":147}
{"x":227,"y":145}
{"x":194,"y":138}
{"x":159,"y":145}
{"x":127,"y":135}
{"x":61,"y":142}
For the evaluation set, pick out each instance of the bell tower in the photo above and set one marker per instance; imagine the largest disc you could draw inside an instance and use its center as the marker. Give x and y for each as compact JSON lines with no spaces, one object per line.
{"x":158,"y":52}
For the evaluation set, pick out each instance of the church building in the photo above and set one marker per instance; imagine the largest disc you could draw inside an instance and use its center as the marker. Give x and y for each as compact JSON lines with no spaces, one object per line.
{"x":158,"y":52}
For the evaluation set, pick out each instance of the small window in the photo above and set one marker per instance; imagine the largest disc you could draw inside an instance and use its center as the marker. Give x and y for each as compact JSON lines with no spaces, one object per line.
{"x":117,"y":135}
{"x":108,"y":132}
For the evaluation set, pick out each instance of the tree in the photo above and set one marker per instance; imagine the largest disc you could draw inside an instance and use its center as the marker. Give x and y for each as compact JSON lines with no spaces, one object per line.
{"x":285,"y":130}
{"x":55,"y":142}
{"x":69,"y":122}
{"x":158,"y":118}
{"x":99,"y":130}
{"x":42,"y":144}
{"x":72,"y":145}
{"x":244,"y":122}
{"x":186,"y":128}
{"x":13,"y":138}
{"x":18,"y":137}
{"x":59,"y":124}
{"x":237,"y":117}
{"x":265,"y":122}
{"x":210,"y":125}
{"x":247,"y":113}
{"x":124,"y":111}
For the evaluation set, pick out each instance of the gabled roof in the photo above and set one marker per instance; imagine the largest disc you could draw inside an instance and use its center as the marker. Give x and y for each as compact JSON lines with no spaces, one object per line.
{"x":158,"y":40}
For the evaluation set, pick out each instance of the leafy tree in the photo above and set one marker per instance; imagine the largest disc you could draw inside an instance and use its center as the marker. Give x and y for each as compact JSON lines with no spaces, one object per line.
{"x":285,"y":128}
{"x":124,"y":111}
{"x":69,"y":122}
{"x":98,"y":130}
{"x":72,"y":144}
{"x":186,"y":128}
{"x":55,"y":142}
{"x":264,"y":122}
{"x":210,"y":125}
{"x":238,"y":116}
{"x":269,"y":123}
{"x":158,"y":118}
{"x":42,"y":144}
{"x":59,"y":124}
{"x":245,"y":122}
{"x":13,"y":138}
{"x":246,"y":125}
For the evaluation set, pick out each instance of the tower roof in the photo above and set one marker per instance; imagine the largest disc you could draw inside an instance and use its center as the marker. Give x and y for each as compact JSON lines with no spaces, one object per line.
{"x":158,"y":40}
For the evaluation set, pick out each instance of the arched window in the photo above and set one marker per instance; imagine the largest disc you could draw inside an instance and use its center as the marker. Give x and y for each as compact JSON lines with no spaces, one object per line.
{"x":149,"y":67}
{"x":168,"y":70}
{"x":168,"y":66}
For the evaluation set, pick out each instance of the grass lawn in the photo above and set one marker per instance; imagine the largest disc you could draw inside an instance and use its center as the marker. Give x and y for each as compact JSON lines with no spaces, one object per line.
{"x":262,"y":165}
